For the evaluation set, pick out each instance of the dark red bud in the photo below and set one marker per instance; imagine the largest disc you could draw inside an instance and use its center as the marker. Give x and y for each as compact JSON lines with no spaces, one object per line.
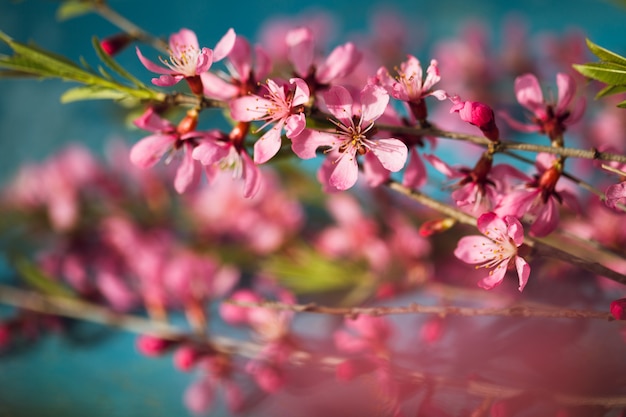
{"x":618,"y":309}
{"x":113,"y":45}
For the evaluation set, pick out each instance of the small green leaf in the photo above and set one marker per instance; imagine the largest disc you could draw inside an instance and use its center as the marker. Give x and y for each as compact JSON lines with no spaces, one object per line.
{"x":622,"y":105}
{"x":92,"y":92}
{"x":74,"y":8}
{"x":608,"y":73}
{"x":37,"y":279}
{"x":606,"y":55}
{"x":610,"y":90}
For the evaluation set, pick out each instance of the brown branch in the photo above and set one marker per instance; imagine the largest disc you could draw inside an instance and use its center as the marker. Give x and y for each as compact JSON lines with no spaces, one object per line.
{"x":413,"y":308}
{"x":503,"y":146}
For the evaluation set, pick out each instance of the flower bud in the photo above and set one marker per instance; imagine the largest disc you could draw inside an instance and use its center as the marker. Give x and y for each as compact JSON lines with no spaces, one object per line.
{"x":152,"y":346}
{"x":113,"y":45}
{"x":479,"y":115}
{"x":618,"y":309}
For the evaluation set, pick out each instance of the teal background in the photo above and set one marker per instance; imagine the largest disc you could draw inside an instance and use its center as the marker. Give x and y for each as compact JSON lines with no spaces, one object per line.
{"x":56,"y":377}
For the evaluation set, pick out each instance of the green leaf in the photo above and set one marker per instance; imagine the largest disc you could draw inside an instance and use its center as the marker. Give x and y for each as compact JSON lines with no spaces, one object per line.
{"x":37,"y":279}
{"x":92,"y":92}
{"x":111,"y":63}
{"x":610,"y":90}
{"x":606,"y":55}
{"x":306,"y":271}
{"x":608,"y":73}
{"x":622,"y":105}
{"x":29,"y":59}
{"x":74,"y":8}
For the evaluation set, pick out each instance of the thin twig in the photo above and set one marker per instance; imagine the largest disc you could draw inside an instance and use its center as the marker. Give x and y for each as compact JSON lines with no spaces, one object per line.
{"x":502,"y":146}
{"x":413,"y":308}
{"x":104,"y":10}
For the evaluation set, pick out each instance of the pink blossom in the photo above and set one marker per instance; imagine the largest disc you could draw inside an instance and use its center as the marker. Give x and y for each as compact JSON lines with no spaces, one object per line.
{"x":187,"y":60}
{"x":354,"y":136}
{"x":497,"y":250}
{"x":410,"y":86}
{"x":536,"y":200}
{"x":616,"y":194}
{"x":168,"y":138}
{"x":339,"y":63}
{"x":220,"y":152}
{"x":478,"y":189}
{"x":281,"y":106}
{"x":244,"y":72}
{"x":364,"y":334}
{"x":548,"y":117}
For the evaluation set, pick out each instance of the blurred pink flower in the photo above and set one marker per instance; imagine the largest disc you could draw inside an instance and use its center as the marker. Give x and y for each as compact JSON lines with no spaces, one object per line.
{"x":548,"y":117}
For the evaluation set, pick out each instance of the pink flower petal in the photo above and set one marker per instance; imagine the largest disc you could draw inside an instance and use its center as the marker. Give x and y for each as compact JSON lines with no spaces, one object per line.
{"x":339,"y":63}
{"x":468,"y":246}
{"x":391,"y":153}
{"x":167,"y":80}
{"x":151,"y":66}
{"x":301,"y":44}
{"x":375,"y":173}
{"x":249,"y":108}
{"x":302,"y":93}
{"x":295,"y":124}
{"x":529,"y":95}
{"x":346,"y":172}
{"x":306,"y":143}
{"x":494,"y":278}
{"x":149,"y":150}
{"x":225,"y":45}
{"x":339,"y":103}
{"x":252,"y":176}
{"x":185,"y":173}
{"x":374,"y":100}
{"x":183,"y":39}
{"x":415,"y":174}
{"x":268,"y":145}
{"x":217,"y":88}
{"x":523,"y":271}
{"x":567,"y":88}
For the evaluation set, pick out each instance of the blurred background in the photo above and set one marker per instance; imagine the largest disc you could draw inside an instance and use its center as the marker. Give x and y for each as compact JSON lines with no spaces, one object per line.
{"x":101,"y":374}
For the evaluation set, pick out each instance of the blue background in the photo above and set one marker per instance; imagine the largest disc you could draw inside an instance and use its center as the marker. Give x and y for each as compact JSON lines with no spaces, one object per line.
{"x":59,"y":378}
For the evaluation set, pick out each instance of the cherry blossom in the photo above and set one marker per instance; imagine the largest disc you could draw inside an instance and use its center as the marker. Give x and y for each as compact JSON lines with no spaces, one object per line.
{"x":548,"y":117}
{"x":354,"y":136}
{"x":168,"y":138}
{"x":339,"y":63}
{"x":616,"y":194}
{"x":411,"y":87}
{"x":536,"y":200}
{"x":187,"y":60}
{"x":497,"y":250}
{"x":281,"y":106}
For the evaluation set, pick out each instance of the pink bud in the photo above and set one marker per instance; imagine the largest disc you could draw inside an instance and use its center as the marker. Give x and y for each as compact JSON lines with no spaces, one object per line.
{"x":152,"y":346}
{"x":479,"y":115}
{"x":186,"y":357}
{"x":116,"y":43}
{"x":618,"y":309}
